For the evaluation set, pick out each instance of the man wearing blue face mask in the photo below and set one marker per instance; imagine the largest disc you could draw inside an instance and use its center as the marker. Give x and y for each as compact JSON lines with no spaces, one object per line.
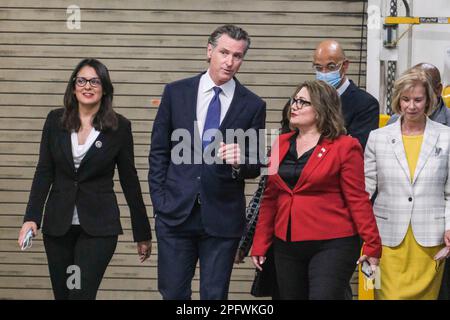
{"x":361,"y":110}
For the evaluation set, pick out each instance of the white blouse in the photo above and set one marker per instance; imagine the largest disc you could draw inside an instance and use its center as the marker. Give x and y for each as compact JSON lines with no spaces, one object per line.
{"x":78,"y":153}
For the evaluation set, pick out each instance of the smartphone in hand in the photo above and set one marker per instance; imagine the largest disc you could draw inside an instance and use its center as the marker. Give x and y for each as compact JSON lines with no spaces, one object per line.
{"x":28,"y":240}
{"x":366,"y":269}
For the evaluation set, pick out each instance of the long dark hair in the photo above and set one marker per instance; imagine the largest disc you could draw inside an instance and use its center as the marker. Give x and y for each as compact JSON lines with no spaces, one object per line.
{"x":105,"y":118}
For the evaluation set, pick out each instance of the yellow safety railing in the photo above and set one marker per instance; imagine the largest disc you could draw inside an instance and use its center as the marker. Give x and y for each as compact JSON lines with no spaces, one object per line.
{"x":446,"y":96}
{"x":384,"y":118}
{"x":416,"y":20}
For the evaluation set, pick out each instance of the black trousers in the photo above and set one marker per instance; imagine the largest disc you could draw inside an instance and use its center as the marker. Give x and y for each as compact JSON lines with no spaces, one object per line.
{"x":315,"y":270}
{"x":77,"y":263}
{"x":444,"y":293}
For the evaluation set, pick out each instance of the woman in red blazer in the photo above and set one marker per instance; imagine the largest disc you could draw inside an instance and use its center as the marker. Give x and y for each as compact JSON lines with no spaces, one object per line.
{"x":315,"y":205}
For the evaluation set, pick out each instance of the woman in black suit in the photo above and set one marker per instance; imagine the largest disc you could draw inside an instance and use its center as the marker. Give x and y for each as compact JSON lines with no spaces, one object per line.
{"x":81,"y":145}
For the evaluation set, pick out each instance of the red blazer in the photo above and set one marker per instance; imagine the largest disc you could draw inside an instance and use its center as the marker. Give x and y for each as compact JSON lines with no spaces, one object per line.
{"x":329,"y":200}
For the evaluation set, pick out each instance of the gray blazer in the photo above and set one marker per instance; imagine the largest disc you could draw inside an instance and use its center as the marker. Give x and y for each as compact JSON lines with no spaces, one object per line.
{"x":425,"y":203}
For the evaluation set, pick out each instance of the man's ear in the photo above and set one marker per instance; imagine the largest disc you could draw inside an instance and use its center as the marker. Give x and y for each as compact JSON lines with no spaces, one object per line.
{"x":209,"y":50}
{"x":345,"y":66}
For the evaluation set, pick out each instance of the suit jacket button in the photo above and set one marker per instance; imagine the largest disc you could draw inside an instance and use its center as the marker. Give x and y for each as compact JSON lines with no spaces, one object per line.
{"x":75,"y":184}
{"x":409,"y":199}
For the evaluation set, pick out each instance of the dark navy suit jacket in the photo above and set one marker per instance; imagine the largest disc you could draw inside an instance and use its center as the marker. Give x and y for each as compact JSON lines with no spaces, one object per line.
{"x":361,"y":113}
{"x":175,"y":187}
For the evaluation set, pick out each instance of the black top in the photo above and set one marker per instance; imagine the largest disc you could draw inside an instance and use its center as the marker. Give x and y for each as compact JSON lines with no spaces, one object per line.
{"x":291,"y":167}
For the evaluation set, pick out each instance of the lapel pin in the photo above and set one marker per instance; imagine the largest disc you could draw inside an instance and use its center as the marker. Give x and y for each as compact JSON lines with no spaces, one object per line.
{"x":323,"y":149}
{"x":98,"y":144}
{"x":319,"y":155}
{"x":393,"y":140}
{"x":437,"y":151}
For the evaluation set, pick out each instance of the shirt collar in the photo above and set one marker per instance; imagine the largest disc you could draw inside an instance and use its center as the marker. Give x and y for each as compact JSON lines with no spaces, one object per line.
{"x":207,"y":84}
{"x":344,"y":87}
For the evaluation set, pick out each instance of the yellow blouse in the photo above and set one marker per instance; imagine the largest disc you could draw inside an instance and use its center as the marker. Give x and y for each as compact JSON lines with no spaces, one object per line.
{"x":412,"y":146}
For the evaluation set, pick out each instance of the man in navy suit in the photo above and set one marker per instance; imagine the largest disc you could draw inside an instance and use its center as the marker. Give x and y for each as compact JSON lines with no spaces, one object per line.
{"x":361,"y":110}
{"x":199,"y":206}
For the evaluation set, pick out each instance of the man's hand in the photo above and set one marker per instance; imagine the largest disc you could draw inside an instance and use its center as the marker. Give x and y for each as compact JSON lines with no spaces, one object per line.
{"x":239,"y":258}
{"x":230,"y":153}
{"x":144,"y":249}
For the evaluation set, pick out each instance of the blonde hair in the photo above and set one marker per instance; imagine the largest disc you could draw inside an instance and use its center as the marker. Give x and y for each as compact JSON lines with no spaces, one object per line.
{"x":410,"y":79}
{"x":327,"y":104}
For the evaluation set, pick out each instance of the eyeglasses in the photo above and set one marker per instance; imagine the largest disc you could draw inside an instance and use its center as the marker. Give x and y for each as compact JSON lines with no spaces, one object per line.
{"x":328,"y":67}
{"x":81,"y":82}
{"x":299,"y":103}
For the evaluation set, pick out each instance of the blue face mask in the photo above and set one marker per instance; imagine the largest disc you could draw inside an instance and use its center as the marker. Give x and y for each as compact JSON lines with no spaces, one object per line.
{"x":333,"y":78}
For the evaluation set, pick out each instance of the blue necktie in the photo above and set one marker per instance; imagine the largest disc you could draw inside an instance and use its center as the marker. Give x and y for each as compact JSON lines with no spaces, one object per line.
{"x":212,"y":120}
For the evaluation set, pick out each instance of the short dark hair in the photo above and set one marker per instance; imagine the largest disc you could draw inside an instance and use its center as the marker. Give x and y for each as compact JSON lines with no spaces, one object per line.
{"x":105,"y":118}
{"x":432,"y":72}
{"x":234,"y":32}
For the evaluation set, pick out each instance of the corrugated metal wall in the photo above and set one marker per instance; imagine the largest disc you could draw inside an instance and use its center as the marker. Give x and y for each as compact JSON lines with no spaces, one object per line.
{"x":145,"y":44}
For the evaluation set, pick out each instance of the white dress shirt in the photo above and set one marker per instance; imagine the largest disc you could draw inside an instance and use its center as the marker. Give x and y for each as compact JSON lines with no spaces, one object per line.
{"x":206,"y":93}
{"x":78,"y":153}
{"x":344,"y":87}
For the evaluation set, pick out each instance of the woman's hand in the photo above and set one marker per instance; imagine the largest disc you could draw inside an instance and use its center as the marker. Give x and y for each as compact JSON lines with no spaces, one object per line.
{"x":25,"y":227}
{"x":374,"y":262}
{"x":144,"y":249}
{"x":258,"y":261}
{"x":447,"y":238}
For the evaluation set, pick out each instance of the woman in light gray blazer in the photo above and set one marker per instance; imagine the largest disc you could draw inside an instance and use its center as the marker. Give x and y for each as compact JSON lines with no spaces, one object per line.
{"x":407,"y":163}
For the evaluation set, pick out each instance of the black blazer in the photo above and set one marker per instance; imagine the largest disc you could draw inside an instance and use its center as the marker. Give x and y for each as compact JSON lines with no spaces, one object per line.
{"x":90,"y":187}
{"x":361,"y":113}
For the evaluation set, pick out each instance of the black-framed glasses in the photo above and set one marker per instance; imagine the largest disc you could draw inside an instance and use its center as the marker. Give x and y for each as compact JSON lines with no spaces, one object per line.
{"x":81,"y":81}
{"x":328,"y":67}
{"x":299,"y":103}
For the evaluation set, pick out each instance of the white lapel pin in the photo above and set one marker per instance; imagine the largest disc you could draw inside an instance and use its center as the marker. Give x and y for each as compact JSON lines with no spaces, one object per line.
{"x":98,"y":144}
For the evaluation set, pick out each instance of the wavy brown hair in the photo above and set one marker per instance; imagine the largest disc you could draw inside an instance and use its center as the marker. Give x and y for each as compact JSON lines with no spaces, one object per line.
{"x":327,"y":104}
{"x":106,"y":118}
